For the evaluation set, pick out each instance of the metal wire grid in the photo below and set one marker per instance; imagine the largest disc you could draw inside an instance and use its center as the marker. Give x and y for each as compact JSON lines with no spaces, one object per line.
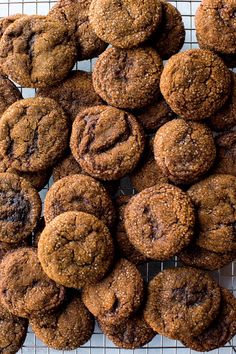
{"x":226,"y":277}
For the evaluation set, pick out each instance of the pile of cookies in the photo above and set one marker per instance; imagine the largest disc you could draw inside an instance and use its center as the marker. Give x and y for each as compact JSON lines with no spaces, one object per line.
{"x":168,"y":129}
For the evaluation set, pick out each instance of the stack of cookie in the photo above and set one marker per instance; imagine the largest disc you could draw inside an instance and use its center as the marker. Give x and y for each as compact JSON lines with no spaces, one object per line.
{"x":165,"y":128}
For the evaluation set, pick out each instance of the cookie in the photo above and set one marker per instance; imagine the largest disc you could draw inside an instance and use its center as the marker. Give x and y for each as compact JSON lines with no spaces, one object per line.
{"x":221,"y":330}
{"x":181,"y":302}
{"x":195,"y":84}
{"x":26,"y":142}
{"x":116,"y":297}
{"x":214,"y":199}
{"x":13,"y":331}
{"x":147,"y":173}
{"x":8,"y":247}
{"x":128,"y":79}
{"x":126,"y":249}
{"x":159,"y":221}
{"x":33,"y":48}
{"x":169,"y":37}
{"x":9,"y":93}
{"x":125,"y":24}
{"x":74,"y":14}
{"x":79,"y":193}
{"x":226,"y":154}
{"x":198,"y":257}
{"x":132,"y":333}
{"x":106,"y":142}
{"x":74,"y":94}
{"x":153,"y":116}
{"x":75,"y":249}
{"x":25,"y":289}
{"x":20,"y":208}
{"x":184,"y":150}
{"x":225,"y":118}
{"x":215,"y":26}
{"x":67,"y":328}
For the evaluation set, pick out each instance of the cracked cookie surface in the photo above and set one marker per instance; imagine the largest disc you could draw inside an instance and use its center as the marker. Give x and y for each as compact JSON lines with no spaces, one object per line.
{"x":128,"y":79}
{"x":106,"y":142}
{"x":159,"y":221}
{"x":214,"y":199}
{"x":125,"y":24}
{"x":74,"y":94}
{"x":9,"y":93}
{"x":74,"y":14}
{"x":20,"y":208}
{"x":79,"y":193}
{"x":34,"y":134}
{"x":67,"y":328}
{"x":189,"y":153}
{"x":24,"y":288}
{"x":33,"y":48}
{"x":117,"y":296}
{"x":181,"y":302}
{"x":75,"y":249}
{"x":195,"y":83}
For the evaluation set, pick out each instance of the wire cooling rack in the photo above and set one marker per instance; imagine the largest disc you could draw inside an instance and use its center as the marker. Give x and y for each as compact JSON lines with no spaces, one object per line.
{"x":226,"y":277}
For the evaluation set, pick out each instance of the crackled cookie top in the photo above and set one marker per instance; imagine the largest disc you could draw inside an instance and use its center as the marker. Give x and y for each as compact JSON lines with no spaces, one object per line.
{"x":128,"y":79}
{"x":125,"y":23}
{"x":20,"y":208}
{"x":117,"y":296}
{"x":26,"y":142}
{"x":25,"y":289}
{"x":67,"y":328}
{"x":216,"y":25}
{"x":214,"y":199}
{"x":195,"y":83}
{"x":106,"y":142}
{"x":188,"y":154}
{"x":159,"y":221}
{"x":9,"y":94}
{"x":74,"y":94}
{"x":79,"y":193}
{"x":33,"y":48}
{"x":75,"y":249}
{"x":181,"y":302}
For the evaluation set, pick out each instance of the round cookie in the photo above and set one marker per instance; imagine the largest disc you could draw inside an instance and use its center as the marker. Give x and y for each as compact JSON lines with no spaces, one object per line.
{"x":13,"y":331}
{"x":147,"y":173}
{"x":181,"y":302}
{"x":216,"y":27}
{"x":25,"y":289}
{"x":74,"y":94}
{"x":169,"y":37}
{"x":195,"y":84}
{"x":74,"y":14}
{"x":221,"y":330}
{"x":75,"y":249}
{"x":106,"y":142}
{"x":116,"y":297}
{"x":126,"y":249}
{"x":198,"y":257}
{"x":132,"y":333}
{"x":184,"y":150}
{"x":33,"y":48}
{"x":214,"y":199}
{"x":26,"y":142}
{"x":159,"y":221}
{"x":9,"y":93}
{"x":125,"y":24}
{"x":67,"y":328}
{"x":225,"y":118}
{"x":20,"y":208}
{"x":79,"y":193}
{"x":128,"y":79}
{"x":226,"y":154}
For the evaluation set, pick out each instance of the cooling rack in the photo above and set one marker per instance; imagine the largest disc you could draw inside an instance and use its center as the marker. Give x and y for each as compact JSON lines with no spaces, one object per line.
{"x":226,"y":277}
